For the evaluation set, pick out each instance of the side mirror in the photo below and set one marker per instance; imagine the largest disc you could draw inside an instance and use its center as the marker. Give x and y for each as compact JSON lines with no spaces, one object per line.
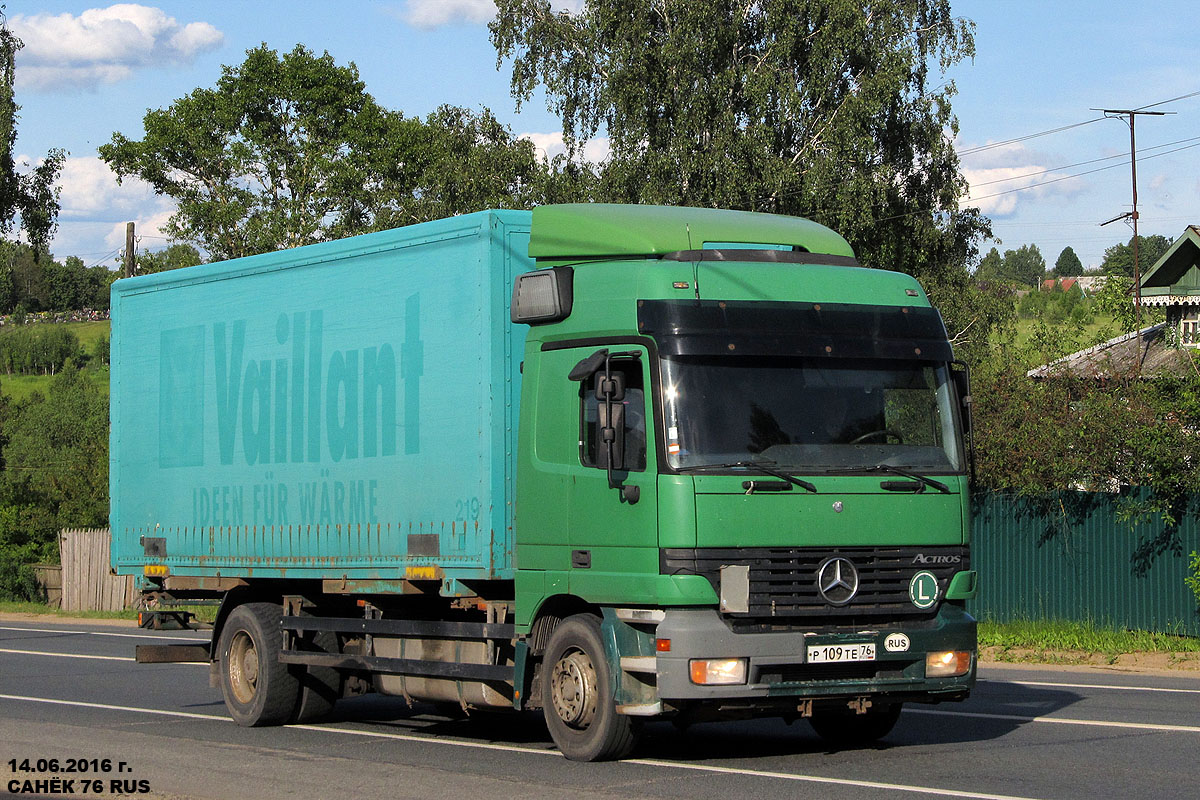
{"x":610,"y":431}
{"x":588,"y":367}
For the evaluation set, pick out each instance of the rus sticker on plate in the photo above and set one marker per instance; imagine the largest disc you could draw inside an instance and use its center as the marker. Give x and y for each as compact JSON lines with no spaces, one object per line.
{"x":827,"y":653}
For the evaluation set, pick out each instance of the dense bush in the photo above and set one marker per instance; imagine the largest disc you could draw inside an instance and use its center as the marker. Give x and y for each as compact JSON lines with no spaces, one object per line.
{"x":54,"y":454}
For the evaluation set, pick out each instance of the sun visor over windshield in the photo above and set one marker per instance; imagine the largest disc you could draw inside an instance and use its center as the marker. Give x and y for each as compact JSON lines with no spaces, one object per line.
{"x":833,"y":330}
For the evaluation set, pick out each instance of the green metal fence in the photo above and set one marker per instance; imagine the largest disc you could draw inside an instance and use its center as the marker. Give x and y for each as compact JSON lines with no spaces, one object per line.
{"x":1069,"y":556}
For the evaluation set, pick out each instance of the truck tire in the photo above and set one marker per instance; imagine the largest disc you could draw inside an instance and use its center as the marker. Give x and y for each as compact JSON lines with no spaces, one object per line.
{"x":844,"y":728}
{"x":320,"y":687}
{"x":577,"y":697}
{"x":258,"y":689}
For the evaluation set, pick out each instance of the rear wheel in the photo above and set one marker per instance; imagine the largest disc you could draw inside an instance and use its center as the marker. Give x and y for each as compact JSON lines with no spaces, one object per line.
{"x":577,"y":697}
{"x":258,"y":689}
{"x":845,"y":728}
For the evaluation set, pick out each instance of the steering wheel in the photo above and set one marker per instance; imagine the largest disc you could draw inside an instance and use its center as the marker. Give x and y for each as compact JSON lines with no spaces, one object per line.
{"x":884,"y":432}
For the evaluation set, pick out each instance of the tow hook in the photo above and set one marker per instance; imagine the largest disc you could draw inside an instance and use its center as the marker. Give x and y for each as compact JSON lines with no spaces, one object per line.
{"x":859,"y":705}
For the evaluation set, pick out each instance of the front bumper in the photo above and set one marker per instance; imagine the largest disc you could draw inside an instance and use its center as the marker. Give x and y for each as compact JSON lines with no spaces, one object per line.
{"x":777,"y":661}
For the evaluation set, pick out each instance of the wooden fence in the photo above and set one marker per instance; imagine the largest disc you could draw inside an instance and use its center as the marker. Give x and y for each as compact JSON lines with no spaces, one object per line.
{"x":86,"y":582}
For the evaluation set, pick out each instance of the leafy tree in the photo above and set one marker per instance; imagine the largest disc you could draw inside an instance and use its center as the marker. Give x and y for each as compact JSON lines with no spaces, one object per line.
{"x":809,"y":107}
{"x":172,"y":257}
{"x":289,"y":150}
{"x":1025,"y":265}
{"x":991,"y":267}
{"x":1068,"y":264}
{"x":57,"y":449}
{"x":28,"y":275}
{"x":1118,"y":259}
{"x":32,"y":196}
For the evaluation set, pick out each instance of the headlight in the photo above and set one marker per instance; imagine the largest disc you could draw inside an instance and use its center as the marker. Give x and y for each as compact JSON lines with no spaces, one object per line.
{"x":707,"y":671}
{"x":947,"y":663}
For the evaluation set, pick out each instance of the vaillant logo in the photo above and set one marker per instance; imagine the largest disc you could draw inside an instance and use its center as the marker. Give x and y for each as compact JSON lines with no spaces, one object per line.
{"x":293,"y":399}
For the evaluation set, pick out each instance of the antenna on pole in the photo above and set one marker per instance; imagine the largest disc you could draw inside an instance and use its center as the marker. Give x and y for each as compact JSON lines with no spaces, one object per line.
{"x":1129,"y":116}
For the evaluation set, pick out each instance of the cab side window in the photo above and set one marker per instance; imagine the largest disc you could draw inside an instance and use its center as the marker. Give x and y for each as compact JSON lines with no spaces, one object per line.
{"x":634,"y":404}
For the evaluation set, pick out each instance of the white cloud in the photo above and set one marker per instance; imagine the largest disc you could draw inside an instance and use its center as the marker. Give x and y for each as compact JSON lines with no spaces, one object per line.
{"x":435,"y":13}
{"x":1001,"y":178}
{"x":104,"y":45}
{"x":95,"y":210}
{"x":90,"y":191}
{"x":550,"y":145}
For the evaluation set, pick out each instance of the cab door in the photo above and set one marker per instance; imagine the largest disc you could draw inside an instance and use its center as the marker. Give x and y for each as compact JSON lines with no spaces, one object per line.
{"x":613,"y":531}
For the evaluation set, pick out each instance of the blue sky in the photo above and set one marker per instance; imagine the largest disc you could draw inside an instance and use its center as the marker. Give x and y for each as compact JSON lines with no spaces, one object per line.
{"x":90,"y":69}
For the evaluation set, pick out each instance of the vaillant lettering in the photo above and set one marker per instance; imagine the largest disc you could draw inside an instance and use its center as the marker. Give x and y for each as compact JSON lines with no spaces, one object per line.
{"x":299,"y":402}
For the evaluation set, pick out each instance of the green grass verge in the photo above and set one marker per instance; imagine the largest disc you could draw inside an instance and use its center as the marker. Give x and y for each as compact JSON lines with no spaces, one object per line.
{"x":18,"y":607}
{"x":1088,"y":637}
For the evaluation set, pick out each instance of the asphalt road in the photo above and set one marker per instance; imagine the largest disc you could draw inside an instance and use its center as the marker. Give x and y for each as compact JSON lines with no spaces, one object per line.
{"x":69,"y":692}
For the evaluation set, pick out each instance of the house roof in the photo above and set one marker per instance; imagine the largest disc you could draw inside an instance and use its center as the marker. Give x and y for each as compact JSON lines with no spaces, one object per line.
{"x":1177,"y":272}
{"x":1147,"y":352}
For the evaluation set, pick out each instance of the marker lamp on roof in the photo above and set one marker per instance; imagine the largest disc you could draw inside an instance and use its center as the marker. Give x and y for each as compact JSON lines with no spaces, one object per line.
{"x":543,"y":296}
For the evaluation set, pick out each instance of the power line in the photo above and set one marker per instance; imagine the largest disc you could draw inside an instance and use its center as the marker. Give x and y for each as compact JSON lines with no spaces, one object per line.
{"x":992,"y":145}
{"x":1164,"y":102}
{"x":970,"y":151}
{"x":1083,"y":163}
{"x":1079,"y":174}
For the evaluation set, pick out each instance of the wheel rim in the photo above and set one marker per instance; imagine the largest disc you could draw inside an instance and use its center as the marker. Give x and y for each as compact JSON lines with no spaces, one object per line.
{"x":243,"y":667}
{"x":573,"y":689}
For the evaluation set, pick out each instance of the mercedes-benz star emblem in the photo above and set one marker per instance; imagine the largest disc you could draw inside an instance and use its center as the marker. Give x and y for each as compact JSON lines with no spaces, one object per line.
{"x":837,"y":580}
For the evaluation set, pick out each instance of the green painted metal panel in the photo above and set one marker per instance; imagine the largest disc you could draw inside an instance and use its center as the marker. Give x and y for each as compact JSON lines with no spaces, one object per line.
{"x":588,"y":230}
{"x":1068,"y":556}
{"x":847,"y":511}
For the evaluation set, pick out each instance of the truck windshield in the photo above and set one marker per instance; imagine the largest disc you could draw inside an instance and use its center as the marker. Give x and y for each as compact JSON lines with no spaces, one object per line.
{"x":810,"y":414}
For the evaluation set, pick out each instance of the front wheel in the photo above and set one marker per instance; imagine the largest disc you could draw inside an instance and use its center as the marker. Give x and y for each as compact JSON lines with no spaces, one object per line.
{"x":258,"y":689}
{"x":844,"y":728}
{"x":577,"y":697}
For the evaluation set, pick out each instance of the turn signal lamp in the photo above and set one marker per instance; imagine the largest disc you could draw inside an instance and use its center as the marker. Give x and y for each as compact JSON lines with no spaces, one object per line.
{"x":662,"y":645}
{"x":947,"y":663}
{"x":718,"y":671}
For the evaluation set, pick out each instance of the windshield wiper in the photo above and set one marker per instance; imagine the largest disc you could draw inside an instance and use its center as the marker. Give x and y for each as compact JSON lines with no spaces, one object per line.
{"x":759,"y":466}
{"x":930,"y":482}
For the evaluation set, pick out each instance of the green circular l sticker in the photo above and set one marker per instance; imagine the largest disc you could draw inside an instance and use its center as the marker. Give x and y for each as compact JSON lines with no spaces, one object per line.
{"x":923,"y":589}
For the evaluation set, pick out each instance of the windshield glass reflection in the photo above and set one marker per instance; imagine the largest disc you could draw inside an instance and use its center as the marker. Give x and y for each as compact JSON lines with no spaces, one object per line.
{"x":809,"y":414}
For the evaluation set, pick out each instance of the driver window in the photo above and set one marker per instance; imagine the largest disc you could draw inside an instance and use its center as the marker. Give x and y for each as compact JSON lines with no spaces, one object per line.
{"x":635,"y":418}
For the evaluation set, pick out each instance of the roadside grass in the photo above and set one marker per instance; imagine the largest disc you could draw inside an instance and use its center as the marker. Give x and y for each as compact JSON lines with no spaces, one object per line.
{"x":23,"y":607}
{"x":1053,"y":641}
{"x":202,"y":613}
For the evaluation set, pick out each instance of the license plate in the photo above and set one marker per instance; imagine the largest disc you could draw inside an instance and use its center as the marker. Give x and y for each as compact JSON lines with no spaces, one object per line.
{"x":829,"y":653}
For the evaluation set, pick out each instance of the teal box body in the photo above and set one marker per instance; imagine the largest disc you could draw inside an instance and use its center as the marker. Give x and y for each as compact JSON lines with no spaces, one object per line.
{"x":341,"y":410}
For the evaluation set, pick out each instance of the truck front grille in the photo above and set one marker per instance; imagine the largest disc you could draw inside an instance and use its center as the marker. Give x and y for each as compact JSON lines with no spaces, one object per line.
{"x":783,"y":581}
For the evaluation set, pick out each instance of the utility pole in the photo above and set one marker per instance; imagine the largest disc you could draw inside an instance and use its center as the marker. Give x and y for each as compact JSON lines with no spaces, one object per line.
{"x":130,"y":258}
{"x":1132,"y":114}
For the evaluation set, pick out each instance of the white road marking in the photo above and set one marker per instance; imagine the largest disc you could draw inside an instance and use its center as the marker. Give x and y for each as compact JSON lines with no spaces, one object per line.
{"x":101,"y":633}
{"x":648,"y":762}
{"x":1144,"y":726}
{"x":98,"y":658}
{"x":66,"y":655}
{"x":1098,"y":686}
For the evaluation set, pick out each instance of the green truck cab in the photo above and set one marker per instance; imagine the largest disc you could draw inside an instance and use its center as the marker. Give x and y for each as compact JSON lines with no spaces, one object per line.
{"x":724,"y":474}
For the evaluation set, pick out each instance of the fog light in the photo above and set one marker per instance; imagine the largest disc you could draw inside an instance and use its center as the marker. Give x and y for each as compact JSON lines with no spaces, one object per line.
{"x":947,"y":663}
{"x":707,"y":671}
